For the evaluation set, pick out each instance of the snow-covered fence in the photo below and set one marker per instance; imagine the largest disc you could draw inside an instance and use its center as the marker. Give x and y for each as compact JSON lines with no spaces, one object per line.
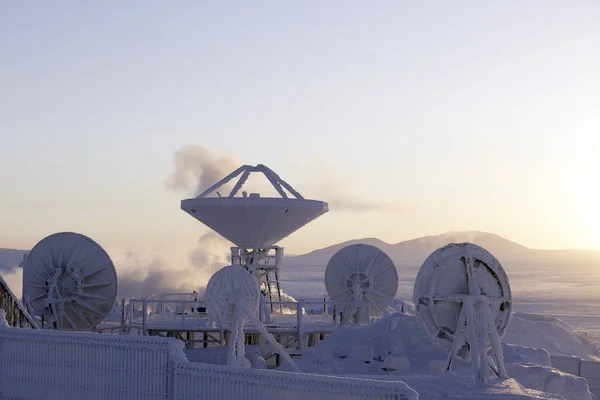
{"x":204,"y":381}
{"x":590,"y":370}
{"x":46,"y":364}
{"x":79,"y":365}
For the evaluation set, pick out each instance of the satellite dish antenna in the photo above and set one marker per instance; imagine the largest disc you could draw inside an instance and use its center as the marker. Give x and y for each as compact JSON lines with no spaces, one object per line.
{"x":251,"y":221}
{"x":69,"y":281}
{"x":463,"y":304}
{"x":225,"y":289}
{"x":361,"y":277}
{"x":254,"y":223}
{"x":232,"y":300}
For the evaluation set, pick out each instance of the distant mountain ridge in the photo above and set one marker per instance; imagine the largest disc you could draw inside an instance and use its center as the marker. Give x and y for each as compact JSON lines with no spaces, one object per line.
{"x":414,"y":252}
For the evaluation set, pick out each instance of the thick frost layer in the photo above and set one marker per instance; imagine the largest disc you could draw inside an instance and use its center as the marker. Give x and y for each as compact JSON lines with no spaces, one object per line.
{"x":399,"y":305}
{"x":550,"y":333}
{"x":550,"y":380}
{"x":525,"y":355}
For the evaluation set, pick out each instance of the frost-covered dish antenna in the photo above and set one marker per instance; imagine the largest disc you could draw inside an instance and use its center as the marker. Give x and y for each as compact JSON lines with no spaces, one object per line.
{"x":232,"y":300}
{"x":463,"y":304}
{"x":360,"y":278}
{"x":69,"y":281}
{"x":255,"y":224}
{"x":252,"y":221}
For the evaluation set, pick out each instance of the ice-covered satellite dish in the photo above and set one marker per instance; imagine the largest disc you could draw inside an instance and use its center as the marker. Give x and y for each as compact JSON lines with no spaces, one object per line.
{"x":227,"y":287}
{"x":252,"y":221}
{"x":69,"y":281}
{"x":463,"y":304}
{"x":361,"y":275}
{"x":232,"y":300}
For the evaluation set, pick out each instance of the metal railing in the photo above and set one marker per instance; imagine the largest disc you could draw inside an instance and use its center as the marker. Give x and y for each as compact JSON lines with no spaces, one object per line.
{"x":16,"y":315}
{"x":323,"y":314}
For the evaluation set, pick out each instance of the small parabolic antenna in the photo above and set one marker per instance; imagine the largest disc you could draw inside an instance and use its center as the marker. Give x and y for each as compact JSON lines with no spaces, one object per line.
{"x":232,"y":300}
{"x":359,"y":279}
{"x":69,"y":281}
{"x":251,"y":221}
{"x":227,"y":287}
{"x":463,"y":305}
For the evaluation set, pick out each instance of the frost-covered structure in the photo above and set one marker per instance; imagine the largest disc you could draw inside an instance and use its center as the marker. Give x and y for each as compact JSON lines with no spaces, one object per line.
{"x":254,"y":223}
{"x":464,"y":304}
{"x":360,"y":279}
{"x":69,"y":282}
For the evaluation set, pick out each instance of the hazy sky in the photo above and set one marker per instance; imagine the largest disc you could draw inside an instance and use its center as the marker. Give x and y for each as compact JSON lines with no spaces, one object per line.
{"x":465,"y":115}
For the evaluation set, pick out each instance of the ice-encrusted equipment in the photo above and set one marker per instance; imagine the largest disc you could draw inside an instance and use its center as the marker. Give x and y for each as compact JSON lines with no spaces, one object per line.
{"x":255,"y":224}
{"x":360,"y":279}
{"x":69,"y":281}
{"x":463,"y":304}
{"x":232,"y":300}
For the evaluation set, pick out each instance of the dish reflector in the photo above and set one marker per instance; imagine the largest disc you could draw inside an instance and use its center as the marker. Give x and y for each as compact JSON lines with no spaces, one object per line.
{"x":449,"y":278}
{"x":228,"y":286}
{"x":70,"y":281}
{"x":253,"y":222}
{"x":361,"y":273}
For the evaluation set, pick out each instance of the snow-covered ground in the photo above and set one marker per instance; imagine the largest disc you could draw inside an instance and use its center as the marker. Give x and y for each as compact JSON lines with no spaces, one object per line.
{"x":395,"y":348}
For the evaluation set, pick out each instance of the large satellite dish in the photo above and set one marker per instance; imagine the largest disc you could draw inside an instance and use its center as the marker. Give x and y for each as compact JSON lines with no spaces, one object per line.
{"x":252,"y":221}
{"x":463,"y":302}
{"x":361,"y":275}
{"x":69,"y":281}
{"x":255,"y":224}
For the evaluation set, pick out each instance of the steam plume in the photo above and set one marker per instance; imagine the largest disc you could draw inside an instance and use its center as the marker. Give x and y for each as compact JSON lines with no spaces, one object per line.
{"x":332,"y":186}
{"x":151,"y":275}
{"x":195,"y":169}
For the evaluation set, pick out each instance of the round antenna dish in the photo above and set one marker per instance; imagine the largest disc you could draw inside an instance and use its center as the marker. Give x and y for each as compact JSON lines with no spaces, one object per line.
{"x":69,"y":281}
{"x":359,"y":274}
{"x":253,"y":221}
{"x":228,"y":286}
{"x":452,"y":279}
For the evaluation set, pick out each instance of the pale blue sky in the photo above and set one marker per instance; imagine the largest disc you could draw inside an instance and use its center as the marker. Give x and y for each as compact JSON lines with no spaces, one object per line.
{"x":474,"y":115}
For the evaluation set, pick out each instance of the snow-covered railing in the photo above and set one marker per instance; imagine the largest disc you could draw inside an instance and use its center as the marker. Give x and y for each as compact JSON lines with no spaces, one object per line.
{"x":140,"y":309}
{"x":16,"y":315}
{"x":590,"y":370}
{"x":50,"y":364}
{"x":204,"y":381}
{"x":150,"y":307}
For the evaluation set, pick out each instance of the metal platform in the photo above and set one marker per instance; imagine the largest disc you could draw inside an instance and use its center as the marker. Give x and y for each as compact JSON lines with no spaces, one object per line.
{"x":186,"y":319}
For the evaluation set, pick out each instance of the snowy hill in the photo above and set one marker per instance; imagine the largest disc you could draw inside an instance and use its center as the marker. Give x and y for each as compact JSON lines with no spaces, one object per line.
{"x":414,"y":252}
